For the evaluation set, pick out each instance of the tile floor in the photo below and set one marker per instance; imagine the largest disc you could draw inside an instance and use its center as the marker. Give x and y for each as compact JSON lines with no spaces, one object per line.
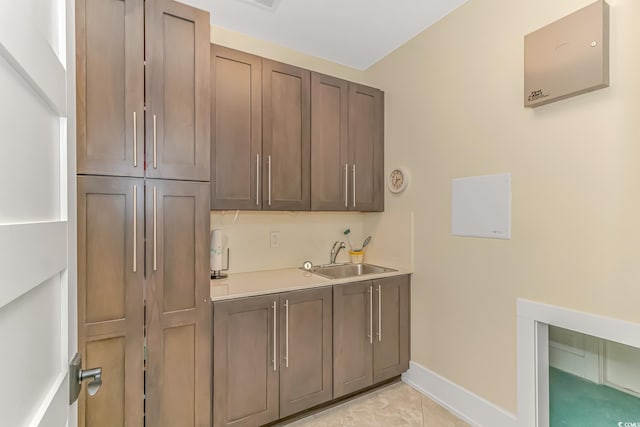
{"x":394,"y":405}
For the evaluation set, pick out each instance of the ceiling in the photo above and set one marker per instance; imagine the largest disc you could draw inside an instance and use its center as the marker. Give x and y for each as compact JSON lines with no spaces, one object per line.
{"x":356,"y":33}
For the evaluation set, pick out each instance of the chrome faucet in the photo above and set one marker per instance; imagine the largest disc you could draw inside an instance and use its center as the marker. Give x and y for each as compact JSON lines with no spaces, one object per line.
{"x":334,"y":251}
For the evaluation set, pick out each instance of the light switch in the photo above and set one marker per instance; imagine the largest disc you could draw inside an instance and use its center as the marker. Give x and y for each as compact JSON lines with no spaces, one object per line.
{"x":274,"y":239}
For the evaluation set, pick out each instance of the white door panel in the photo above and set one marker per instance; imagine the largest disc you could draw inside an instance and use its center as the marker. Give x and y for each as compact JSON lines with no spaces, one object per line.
{"x":37,"y":236}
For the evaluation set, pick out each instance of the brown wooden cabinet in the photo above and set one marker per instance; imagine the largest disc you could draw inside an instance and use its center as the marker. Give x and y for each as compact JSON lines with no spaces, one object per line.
{"x":177,"y":86}
{"x":110,"y":297}
{"x":124,"y":255}
{"x":272,"y":356}
{"x":286,"y":137}
{"x":352,"y":339}
{"x":236,"y":129}
{"x":178,"y":311}
{"x":306,"y":349}
{"x":112,"y":45}
{"x":110,"y":87}
{"x":293,"y":140}
{"x":329,"y":143}
{"x":391,"y":315}
{"x":347,"y":168}
{"x":245,"y":362}
{"x":371,"y":333}
{"x":366,"y":148}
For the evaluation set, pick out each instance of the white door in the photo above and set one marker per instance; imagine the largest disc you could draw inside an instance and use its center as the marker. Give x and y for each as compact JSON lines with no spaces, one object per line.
{"x":37,"y":212}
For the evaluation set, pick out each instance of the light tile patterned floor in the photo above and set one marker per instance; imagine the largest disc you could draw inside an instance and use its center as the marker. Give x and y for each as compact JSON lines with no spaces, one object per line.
{"x":394,"y":405}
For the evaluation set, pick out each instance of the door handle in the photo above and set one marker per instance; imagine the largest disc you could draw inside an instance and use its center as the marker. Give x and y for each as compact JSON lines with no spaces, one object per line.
{"x":155,"y":228}
{"x":135,"y":140}
{"x":155,"y":142}
{"x":77,"y":375}
{"x":286,"y":336}
{"x":257,"y":179}
{"x":275,"y":339}
{"x":354,"y":185}
{"x":379,"y":313}
{"x":370,"y":335}
{"x":346,"y":185}
{"x":269,"y":178}
{"x":135,"y":227}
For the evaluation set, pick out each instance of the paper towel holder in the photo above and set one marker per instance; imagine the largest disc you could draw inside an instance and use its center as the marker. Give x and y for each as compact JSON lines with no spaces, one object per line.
{"x":218,"y":274}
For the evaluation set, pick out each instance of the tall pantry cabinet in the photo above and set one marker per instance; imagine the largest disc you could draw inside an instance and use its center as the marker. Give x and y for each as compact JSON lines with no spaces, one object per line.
{"x":143,"y":211}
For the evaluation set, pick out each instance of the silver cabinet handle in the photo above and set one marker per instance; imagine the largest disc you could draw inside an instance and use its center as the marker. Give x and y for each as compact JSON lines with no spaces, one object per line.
{"x":275,"y":355}
{"x":135,"y":140}
{"x":269,"y":179}
{"x":354,"y":185}
{"x":346,"y":185}
{"x":155,"y":229}
{"x":286,"y":336}
{"x":155,"y":142}
{"x":379,"y":313}
{"x":135,"y":227}
{"x":370,"y":335}
{"x":257,"y":179}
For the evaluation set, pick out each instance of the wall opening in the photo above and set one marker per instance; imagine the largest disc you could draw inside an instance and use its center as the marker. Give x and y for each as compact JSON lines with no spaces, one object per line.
{"x":576,"y":368}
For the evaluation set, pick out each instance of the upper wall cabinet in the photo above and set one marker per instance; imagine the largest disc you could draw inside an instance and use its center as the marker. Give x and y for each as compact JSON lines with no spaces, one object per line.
{"x":178,"y":127}
{"x":110,"y":87}
{"x":292,"y":139}
{"x":366,"y":148}
{"x":111,"y":46}
{"x":286,"y":136}
{"x":346,"y":145}
{"x":329,"y":143}
{"x":236,"y":129}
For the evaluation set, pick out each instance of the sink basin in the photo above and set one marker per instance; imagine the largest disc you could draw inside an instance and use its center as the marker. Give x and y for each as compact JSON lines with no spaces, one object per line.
{"x":348,"y":270}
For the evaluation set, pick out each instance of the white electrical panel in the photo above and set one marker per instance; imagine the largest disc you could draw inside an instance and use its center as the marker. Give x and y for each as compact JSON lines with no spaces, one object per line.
{"x":481,"y":206}
{"x":567,"y":57}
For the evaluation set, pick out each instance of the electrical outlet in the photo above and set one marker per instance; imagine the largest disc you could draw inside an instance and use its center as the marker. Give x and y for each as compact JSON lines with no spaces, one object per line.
{"x":274,"y":239}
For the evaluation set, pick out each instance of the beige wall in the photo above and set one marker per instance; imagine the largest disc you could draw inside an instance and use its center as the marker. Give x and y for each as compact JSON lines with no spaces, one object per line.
{"x":245,"y":43}
{"x":453,"y":109}
{"x":303,"y":235}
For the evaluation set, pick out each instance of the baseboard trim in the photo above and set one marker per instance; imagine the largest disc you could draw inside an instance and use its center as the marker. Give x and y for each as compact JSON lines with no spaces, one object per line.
{"x":468,"y":406}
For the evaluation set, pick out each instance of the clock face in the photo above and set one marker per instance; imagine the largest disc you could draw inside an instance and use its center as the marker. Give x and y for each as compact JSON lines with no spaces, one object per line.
{"x":398,"y":180}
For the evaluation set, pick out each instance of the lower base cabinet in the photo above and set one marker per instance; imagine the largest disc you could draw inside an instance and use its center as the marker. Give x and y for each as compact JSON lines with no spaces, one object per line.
{"x":370,"y":333}
{"x":272,"y":356}
{"x":280,"y":354}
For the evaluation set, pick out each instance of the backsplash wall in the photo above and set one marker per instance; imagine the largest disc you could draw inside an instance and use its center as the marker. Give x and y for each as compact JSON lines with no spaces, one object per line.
{"x":303,"y":236}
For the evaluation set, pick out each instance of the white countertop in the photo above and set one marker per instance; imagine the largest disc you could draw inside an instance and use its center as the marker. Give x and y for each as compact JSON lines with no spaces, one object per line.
{"x":239,"y":285}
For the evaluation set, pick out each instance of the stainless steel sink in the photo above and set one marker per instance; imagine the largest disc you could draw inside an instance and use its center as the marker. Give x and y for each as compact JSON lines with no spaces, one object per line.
{"x":348,"y":270}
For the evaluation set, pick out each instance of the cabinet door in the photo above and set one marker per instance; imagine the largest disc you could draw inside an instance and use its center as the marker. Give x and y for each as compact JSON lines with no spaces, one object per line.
{"x":178,"y":102}
{"x":391,"y":319}
{"x":110,"y":87}
{"x":352,"y":337}
{"x":245,"y":363}
{"x":366,"y":146}
{"x":329,"y":141}
{"x":178,"y":315}
{"x":110,"y":281}
{"x":236,"y":129}
{"x":286,"y":138}
{"x":305,"y":350}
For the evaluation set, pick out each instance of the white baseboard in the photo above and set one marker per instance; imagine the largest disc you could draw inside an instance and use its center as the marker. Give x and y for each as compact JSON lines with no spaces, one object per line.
{"x":469,"y":407}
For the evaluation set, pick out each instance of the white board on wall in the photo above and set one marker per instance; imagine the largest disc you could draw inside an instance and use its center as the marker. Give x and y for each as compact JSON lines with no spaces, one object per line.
{"x":481,"y":206}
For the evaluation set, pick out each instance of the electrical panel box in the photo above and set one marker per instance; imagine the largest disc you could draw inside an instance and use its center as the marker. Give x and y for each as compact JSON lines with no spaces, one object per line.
{"x":567,"y":57}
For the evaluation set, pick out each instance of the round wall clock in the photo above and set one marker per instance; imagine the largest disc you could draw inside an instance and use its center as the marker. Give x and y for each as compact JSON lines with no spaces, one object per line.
{"x":398,"y":180}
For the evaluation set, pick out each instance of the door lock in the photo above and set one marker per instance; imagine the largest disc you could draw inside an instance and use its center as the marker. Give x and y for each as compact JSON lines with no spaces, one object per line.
{"x":77,"y":375}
